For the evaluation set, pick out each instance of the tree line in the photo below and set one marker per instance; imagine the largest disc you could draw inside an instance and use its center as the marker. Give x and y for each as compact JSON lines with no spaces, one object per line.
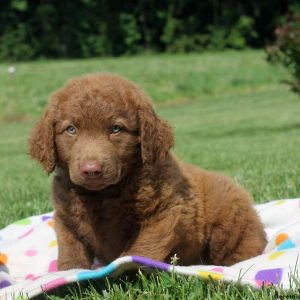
{"x":32,"y":29}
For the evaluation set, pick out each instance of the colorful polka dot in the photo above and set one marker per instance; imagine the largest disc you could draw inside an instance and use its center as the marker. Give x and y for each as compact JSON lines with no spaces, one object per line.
{"x":52,"y":266}
{"x":275,"y":255}
{"x":25,"y":234}
{"x":280,"y":202}
{"x":218,"y":269}
{"x":45,"y":218}
{"x":26,"y":221}
{"x":4,"y":284}
{"x":280,"y":238}
{"x":100,"y":273}
{"x":210,"y":275}
{"x":3,"y":259}
{"x":52,"y":244}
{"x":30,"y":252}
{"x":54,"y":284}
{"x":288,"y":244}
{"x":32,"y":277}
{"x":268,"y":277}
{"x":50,"y":223}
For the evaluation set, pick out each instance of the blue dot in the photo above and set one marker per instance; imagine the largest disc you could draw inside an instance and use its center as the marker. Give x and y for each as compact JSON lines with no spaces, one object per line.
{"x":100,"y":273}
{"x":286,"y":245}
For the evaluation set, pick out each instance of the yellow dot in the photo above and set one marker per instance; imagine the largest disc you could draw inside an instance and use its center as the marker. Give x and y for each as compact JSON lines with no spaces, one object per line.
{"x":280,"y":238}
{"x":280,"y":202}
{"x":276,"y":255}
{"x":207,"y":275}
{"x":52,"y":244}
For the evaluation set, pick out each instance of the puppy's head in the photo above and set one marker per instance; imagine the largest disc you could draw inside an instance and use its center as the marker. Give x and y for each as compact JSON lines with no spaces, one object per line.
{"x":98,"y":127}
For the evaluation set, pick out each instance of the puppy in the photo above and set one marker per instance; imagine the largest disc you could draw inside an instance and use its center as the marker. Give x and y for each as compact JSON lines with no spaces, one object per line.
{"x":119,"y":191}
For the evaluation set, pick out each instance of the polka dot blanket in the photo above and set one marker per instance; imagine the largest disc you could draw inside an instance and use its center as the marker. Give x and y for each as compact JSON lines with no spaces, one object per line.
{"x":28,"y":252}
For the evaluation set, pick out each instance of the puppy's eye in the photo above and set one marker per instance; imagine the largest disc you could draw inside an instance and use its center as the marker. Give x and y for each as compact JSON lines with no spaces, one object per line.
{"x":115,"y":129}
{"x":71,"y":130}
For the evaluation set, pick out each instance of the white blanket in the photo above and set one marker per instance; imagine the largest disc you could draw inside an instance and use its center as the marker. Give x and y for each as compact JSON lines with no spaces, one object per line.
{"x":28,"y":252}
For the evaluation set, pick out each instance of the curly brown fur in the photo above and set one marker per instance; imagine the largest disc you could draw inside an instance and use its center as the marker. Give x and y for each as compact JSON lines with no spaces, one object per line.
{"x":139,"y":199}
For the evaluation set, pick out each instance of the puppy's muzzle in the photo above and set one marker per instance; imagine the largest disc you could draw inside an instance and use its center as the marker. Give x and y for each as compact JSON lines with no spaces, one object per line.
{"x":91,"y":169}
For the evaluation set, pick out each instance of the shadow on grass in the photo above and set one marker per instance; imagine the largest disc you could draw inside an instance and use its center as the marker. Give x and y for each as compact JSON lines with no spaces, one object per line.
{"x":81,"y":290}
{"x":74,"y":290}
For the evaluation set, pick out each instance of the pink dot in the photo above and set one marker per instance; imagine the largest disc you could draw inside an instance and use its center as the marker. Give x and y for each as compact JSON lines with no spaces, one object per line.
{"x":31,"y":277}
{"x":54,"y":284}
{"x":25,"y":234}
{"x":218,"y":269}
{"x":52,"y":266}
{"x":30,"y":252}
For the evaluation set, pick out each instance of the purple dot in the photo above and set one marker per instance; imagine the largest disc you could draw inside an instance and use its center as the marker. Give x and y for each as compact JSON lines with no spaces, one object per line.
{"x":151,"y":263}
{"x":268,"y":277}
{"x":4,"y":284}
{"x":45,"y":218}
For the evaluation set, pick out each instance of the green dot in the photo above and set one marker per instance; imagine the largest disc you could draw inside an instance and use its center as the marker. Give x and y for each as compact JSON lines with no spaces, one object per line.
{"x":20,"y":298}
{"x":23,"y":222}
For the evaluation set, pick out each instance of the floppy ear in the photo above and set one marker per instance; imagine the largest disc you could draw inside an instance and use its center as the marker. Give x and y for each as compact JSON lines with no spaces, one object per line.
{"x":156,"y":135}
{"x":41,"y":142}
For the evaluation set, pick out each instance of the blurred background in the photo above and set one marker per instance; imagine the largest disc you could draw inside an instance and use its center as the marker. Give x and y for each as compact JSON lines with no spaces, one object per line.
{"x":225,"y":74}
{"x":88,"y":28}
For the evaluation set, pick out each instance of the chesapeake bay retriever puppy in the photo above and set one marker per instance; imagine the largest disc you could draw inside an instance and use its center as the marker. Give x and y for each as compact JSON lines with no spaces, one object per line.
{"x":119,"y":191}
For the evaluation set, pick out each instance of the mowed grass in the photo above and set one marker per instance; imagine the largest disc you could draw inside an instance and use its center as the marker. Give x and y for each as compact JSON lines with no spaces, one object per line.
{"x":168,"y":79}
{"x":230,"y":113}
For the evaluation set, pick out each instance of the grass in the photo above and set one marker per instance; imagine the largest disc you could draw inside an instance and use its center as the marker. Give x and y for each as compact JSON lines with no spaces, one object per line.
{"x":230,"y":113}
{"x":168,"y":79}
{"x":167,"y":286}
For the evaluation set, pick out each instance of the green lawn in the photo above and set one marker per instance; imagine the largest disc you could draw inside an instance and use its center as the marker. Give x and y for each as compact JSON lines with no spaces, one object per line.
{"x":230,"y":113}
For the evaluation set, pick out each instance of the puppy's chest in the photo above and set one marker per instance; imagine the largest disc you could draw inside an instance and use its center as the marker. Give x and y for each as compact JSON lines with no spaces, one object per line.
{"x":107,"y":225}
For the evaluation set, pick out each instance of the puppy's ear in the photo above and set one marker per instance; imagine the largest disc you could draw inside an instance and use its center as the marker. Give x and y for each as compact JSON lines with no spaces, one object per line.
{"x":156,"y":135}
{"x":41,"y":142}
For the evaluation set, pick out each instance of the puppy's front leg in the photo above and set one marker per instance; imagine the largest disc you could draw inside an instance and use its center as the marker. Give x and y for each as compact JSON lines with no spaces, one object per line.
{"x":157,"y":237}
{"x":72,"y":254}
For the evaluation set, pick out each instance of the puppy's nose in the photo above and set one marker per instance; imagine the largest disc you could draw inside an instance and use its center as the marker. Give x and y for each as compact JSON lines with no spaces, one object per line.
{"x":91,"y":169}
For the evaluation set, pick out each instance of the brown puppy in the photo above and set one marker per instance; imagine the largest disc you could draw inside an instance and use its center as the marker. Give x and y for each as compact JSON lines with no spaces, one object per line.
{"x":119,"y":191}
